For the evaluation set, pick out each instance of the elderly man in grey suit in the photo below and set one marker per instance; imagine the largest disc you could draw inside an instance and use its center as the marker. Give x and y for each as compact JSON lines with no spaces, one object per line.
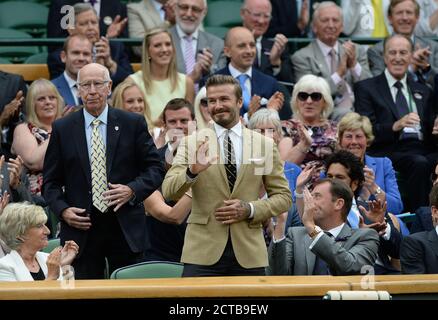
{"x":340,"y":63}
{"x":403,"y":16}
{"x":326,"y":244}
{"x":198,"y":53}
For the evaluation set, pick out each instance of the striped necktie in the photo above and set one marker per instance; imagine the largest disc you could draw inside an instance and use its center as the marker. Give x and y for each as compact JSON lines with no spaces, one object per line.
{"x":230,"y":160}
{"x":98,"y":168}
{"x":189,"y":55}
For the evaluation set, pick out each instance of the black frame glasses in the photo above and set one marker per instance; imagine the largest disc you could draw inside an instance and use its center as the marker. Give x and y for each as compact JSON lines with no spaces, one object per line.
{"x":315,"y":96}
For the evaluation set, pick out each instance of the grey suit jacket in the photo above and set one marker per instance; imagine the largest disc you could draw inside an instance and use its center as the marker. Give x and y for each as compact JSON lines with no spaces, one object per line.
{"x":377,"y":65}
{"x":353,"y":250}
{"x":310,"y":60}
{"x":205,"y":40}
{"x":142,"y":16}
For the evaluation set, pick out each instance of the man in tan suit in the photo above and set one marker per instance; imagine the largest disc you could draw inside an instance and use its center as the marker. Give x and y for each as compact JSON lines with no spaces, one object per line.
{"x":226,"y":167}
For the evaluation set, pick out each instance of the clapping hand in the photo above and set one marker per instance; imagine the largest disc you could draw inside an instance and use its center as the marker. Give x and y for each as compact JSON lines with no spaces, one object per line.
{"x":69,"y":253}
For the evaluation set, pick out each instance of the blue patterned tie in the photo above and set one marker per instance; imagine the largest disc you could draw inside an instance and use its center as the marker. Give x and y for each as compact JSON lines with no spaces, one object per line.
{"x":98,"y":168}
{"x":245,"y":92}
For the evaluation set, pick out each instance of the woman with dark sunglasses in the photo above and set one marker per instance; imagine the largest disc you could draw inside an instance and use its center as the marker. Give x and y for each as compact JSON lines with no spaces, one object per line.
{"x":309,"y":136}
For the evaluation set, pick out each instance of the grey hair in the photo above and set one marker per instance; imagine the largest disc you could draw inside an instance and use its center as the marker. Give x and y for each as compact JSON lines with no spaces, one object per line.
{"x":322,"y":5}
{"x":205,"y":3}
{"x":310,"y":82}
{"x":263,"y":116}
{"x":16,"y":219}
{"x":81,"y":7}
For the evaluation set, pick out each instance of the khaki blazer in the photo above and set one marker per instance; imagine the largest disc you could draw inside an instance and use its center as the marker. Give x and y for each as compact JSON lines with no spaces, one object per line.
{"x":206,"y":238}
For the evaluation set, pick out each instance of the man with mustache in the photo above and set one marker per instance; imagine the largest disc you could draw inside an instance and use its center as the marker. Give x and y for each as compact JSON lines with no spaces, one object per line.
{"x":402,"y":115}
{"x":226,"y":166}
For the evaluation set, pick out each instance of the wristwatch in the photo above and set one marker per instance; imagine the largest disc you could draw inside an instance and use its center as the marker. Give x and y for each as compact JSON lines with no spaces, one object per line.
{"x":315,"y":231}
{"x":378,"y":191}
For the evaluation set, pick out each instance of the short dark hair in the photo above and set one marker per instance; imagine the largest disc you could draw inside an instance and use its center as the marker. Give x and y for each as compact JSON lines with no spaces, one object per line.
{"x":352,"y":163}
{"x":177,"y":104}
{"x":433,"y":196}
{"x":71,"y":37}
{"x":394,"y":3}
{"x":221,"y":79}
{"x":339,"y":190}
{"x":396,"y":35}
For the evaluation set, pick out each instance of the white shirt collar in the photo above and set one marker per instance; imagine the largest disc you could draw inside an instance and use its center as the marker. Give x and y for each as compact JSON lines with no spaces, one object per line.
{"x":71,"y":83}
{"x":235,"y":73}
{"x":335,"y":231}
{"x":220,"y":131}
{"x":326,"y":49}
{"x":391,"y":80}
{"x":436,"y":230}
{"x":182,"y":34}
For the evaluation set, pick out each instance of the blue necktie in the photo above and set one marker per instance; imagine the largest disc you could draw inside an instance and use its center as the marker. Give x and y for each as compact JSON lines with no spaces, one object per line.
{"x":353,"y":217}
{"x":245,"y":93}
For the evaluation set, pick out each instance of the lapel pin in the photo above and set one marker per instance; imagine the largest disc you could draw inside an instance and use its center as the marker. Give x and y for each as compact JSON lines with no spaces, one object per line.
{"x":107,"y":20}
{"x":418,"y":95}
{"x":116,"y":128}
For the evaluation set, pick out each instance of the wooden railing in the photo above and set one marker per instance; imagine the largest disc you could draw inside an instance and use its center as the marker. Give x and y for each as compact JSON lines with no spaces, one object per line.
{"x":214,"y":287}
{"x":31,"y":72}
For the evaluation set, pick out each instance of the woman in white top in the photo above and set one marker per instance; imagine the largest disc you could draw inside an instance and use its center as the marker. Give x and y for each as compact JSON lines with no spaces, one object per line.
{"x":23,"y":229}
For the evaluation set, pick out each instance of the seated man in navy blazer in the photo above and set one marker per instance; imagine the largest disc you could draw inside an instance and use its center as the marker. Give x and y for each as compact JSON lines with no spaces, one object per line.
{"x":76,"y":53}
{"x":109,"y":54}
{"x":402,"y":114}
{"x":419,"y":251}
{"x":240,"y":48}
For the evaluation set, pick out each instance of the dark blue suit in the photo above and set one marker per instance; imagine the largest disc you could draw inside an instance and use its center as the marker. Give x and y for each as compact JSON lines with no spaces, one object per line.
{"x":131,"y":159}
{"x":64,"y":89}
{"x":385,"y":179}
{"x":261,"y":84}
{"x":419,"y":253}
{"x":118,"y":54}
{"x":413,"y":158}
{"x":108,"y":8}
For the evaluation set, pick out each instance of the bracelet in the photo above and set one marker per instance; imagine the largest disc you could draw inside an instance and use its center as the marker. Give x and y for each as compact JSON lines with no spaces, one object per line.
{"x":298,"y":195}
{"x":188,"y":194}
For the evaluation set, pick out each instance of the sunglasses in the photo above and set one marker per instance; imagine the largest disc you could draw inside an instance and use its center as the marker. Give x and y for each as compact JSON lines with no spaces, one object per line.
{"x":315,"y":96}
{"x":204,"y":102}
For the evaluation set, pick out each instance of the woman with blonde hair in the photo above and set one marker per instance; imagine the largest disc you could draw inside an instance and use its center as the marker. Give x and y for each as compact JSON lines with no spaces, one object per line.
{"x":202,"y":116}
{"x":309,"y":136}
{"x":44,"y":105}
{"x":158,"y":77}
{"x":23,"y":229}
{"x":129,"y":97}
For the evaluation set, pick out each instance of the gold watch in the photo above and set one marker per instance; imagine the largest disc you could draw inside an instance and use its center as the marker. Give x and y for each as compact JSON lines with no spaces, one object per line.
{"x":315,"y":231}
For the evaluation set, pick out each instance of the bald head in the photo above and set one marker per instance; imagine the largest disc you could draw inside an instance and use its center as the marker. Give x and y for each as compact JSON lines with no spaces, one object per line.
{"x":94,"y":87}
{"x":240,"y":48}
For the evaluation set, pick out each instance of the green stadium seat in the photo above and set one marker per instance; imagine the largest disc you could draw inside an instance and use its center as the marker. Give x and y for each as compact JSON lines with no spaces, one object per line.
{"x":15,"y":54}
{"x":37,"y":58}
{"x":223,"y":14}
{"x":150,"y":269}
{"x":53,"y":243}
{"x":4,"y":61}
{"x":217,"y":31}
{"x":25,"y":16}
